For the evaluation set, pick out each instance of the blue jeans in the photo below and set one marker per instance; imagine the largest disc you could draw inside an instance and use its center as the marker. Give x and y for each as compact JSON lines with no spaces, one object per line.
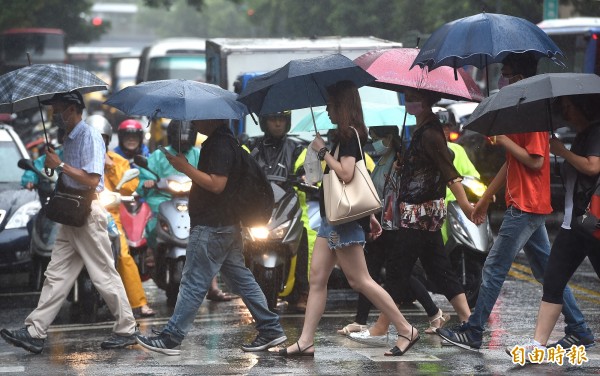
{"x":527,"y":231}
{"x":209,"y":250}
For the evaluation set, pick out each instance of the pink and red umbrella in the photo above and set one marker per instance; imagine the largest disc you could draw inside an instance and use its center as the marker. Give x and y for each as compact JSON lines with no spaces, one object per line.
{"x":391,"y":68}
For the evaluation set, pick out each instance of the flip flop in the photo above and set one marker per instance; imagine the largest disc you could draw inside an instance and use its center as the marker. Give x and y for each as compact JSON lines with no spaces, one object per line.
{"x":219,"y":296}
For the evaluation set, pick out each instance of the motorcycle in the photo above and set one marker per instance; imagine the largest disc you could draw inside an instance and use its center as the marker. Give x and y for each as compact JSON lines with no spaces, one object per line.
{"x":135,"y":214}
{"x":172,"y":231}
{"x":270,"y":251}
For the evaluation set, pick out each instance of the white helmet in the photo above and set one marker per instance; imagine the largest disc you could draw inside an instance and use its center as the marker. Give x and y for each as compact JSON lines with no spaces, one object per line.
{"x":101,"y":124}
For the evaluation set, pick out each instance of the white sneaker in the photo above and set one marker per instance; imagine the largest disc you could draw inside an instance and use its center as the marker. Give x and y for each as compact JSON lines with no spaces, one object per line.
{"x":366,"y":338}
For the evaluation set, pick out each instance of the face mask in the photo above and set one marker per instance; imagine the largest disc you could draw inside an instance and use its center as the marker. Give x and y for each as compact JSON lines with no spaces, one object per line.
{"x":502,"y":82}
{"x":413,"y":108}
{"x":379,"y":147}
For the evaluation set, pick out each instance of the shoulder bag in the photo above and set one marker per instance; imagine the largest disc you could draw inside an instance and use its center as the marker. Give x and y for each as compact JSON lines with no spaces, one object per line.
{"x":346,"y":202}
{"x":69,"y":206}
{"x":589,"y":222}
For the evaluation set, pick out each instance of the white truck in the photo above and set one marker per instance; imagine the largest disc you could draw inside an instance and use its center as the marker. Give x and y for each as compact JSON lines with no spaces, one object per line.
{"x":229,"y":58}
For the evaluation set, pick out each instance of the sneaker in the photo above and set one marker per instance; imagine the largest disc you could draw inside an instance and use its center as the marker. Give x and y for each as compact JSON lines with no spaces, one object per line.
{"x":576,"y":338}
{"x":117,"y":341}
{"x":22,"y":338}
{"x":262,"y":343}
{"x":529,"y":348}
{"x":464,"y":336}
{"x":366,"y":338}
{"x":163,"y":343}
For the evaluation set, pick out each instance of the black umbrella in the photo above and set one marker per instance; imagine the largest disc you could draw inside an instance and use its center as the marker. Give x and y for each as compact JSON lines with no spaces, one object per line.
{"x":300,"y":83}
{"x":525,"y":106}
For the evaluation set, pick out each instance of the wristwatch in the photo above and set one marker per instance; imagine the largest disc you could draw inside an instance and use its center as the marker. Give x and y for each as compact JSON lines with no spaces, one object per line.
{"x":60,"y":167}
{"x":321,"y":153}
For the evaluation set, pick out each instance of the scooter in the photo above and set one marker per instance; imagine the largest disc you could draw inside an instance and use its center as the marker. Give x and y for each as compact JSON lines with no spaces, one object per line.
{"x":135,"y":214}
{"x":42,"y":231}
{"x":468,"y":244}
{"x":271,"y":250}
{"x":172,"y":231}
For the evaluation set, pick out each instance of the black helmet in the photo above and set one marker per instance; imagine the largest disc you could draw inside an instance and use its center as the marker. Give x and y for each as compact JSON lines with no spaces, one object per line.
{"x":262,"y":120}
{"x":181,"y":133}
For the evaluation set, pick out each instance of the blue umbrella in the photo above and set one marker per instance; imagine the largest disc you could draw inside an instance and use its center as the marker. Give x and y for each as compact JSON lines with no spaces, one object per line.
{"x":374,"y":114}
{"x":179,"y":100}
{"x":300,"y":83}
{"x":484,"y":39}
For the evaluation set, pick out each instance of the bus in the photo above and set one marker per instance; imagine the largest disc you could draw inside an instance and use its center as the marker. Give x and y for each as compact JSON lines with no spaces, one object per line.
{"x":45,"y":46}
{"x":171,"y":58}
{"x":578,"y":39}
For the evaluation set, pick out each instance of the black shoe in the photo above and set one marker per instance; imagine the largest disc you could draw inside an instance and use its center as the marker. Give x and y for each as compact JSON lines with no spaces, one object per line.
{"x":466,"y":337}
{"x":262,"y":343}
{"x":22,"y":338}
{"x":163,"y":343}
{"x":116,"y":341}
{"x":576,"y":338}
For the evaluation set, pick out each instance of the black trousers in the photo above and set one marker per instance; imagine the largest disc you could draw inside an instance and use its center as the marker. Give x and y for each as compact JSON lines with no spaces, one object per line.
{"x":568,"y":251}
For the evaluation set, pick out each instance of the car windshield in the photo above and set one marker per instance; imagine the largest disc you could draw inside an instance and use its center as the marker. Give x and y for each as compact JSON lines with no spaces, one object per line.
{"x":11,"y":173}
{"x":188,"y":67}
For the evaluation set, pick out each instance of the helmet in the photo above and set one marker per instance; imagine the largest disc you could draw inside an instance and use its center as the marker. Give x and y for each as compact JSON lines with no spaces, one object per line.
{"x":181,"y":133}
{"x":102,"y":125}
{"x":134,"y":127}
{"x":262,"y":120}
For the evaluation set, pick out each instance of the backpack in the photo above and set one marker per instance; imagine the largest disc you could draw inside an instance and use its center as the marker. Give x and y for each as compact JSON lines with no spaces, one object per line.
{"x":254,"y":199}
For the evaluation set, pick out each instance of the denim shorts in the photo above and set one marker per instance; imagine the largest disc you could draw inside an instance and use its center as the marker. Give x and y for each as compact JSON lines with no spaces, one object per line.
{"x":341,"y":235}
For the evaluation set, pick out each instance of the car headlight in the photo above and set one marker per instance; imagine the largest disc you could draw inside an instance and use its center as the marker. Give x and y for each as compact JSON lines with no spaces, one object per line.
{"x":178,"y":187}
{"x":24,"y":214}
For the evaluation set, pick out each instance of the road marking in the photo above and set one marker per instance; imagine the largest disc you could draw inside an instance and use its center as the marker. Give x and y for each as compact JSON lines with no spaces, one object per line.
{"x":12,"y":369}
{"x":376,"y":355}
{"x":524,"y":273}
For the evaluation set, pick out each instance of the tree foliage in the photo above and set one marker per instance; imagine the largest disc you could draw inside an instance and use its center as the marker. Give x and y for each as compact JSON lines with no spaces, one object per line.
{"x":65,"y":15}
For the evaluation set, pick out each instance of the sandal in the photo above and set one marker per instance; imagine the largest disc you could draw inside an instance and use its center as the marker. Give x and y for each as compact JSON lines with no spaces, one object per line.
{"x":395,"y":351}
{"x":219,"y":296}
{"x":143,"y":311}
{"x":442,"y":317}
{"x":352,"y":328}
{"x":300,"y":352}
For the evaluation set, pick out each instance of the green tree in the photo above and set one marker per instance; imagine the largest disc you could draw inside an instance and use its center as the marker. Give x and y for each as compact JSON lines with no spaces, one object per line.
{"x":65,"y":15}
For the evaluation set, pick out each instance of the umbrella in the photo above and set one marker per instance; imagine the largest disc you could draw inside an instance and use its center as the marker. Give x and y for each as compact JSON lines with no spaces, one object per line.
{"x":484,"y":39}
{"x":300,"y":83}
{"x":178,"y":99}
{"x":391,"y":68}
{"x":23,"y":88}
{"x":374,"y":114}
{"x":525,"y":106}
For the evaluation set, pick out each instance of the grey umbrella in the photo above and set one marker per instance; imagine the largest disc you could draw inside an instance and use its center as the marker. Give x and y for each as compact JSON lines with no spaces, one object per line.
{"x":525,"y":106}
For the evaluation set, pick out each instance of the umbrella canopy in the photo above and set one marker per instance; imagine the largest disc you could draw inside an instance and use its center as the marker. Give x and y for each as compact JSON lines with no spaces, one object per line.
{"x":391,"y":68}
{"x":374,"y":114}
{"x":525,"y":106}
{"x":300,"y":83}
{"x":179,"y":100}
{"x":21,"y":88}
{"x":484,"y":39}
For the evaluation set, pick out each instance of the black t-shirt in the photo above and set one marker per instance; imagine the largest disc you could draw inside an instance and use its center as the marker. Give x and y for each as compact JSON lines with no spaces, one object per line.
{"x":220,"y":156}
{"x":347,"y":149}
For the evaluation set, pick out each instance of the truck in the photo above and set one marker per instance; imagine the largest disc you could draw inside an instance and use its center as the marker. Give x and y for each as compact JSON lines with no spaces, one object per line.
{"x":231,"y":59}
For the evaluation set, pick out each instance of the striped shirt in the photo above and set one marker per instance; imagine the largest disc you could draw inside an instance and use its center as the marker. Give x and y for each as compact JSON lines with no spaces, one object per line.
{"x":84,"y":148}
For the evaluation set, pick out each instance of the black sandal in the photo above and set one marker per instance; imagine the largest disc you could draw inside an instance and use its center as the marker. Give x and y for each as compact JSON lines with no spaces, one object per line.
{"x":300,"y":352}
{"x":395,"y":351}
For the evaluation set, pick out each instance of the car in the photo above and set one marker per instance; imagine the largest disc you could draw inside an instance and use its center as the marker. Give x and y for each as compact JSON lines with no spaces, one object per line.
{"x":17,"y":205}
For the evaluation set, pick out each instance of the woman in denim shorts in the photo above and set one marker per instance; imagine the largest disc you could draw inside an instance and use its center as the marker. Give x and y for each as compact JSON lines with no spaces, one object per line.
{"x":343,"y":244}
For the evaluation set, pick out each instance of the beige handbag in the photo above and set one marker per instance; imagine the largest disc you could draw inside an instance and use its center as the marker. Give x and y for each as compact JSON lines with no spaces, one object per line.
{"x":346,"y":202}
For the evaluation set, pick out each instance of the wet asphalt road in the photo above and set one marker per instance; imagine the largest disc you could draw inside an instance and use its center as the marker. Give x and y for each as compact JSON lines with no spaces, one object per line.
{"x":212,"y":346}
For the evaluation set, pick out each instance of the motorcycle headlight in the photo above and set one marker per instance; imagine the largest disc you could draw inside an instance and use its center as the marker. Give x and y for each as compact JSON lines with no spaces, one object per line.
{"x":108,"y":198}
{"x":178,"y":187}
{"x":280,"y":231}
{"x":259,"y":233}
{"x":23,"y":215}
{"x":475,"y":186}
{"x":262,"y":233}
{"x":181,"y":207}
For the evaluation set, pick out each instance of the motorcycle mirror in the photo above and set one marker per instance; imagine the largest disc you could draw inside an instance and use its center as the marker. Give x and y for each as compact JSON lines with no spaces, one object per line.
{"x":141,"y":161}
{"x":128,"y":176}
{"x":26,"y":164}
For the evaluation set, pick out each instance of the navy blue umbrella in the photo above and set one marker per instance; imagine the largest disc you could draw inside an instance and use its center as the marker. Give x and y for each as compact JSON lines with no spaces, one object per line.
{"x":484,"y":39}
{"x":300,"y":83}
{"x":178,"y":100}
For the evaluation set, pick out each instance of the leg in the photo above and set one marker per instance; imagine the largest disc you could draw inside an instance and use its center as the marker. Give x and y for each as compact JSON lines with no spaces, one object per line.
{"x":514,"y":232}
{"x":324,"y":261}
{"x":64,"y":267}
{"x":375,"y":259}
